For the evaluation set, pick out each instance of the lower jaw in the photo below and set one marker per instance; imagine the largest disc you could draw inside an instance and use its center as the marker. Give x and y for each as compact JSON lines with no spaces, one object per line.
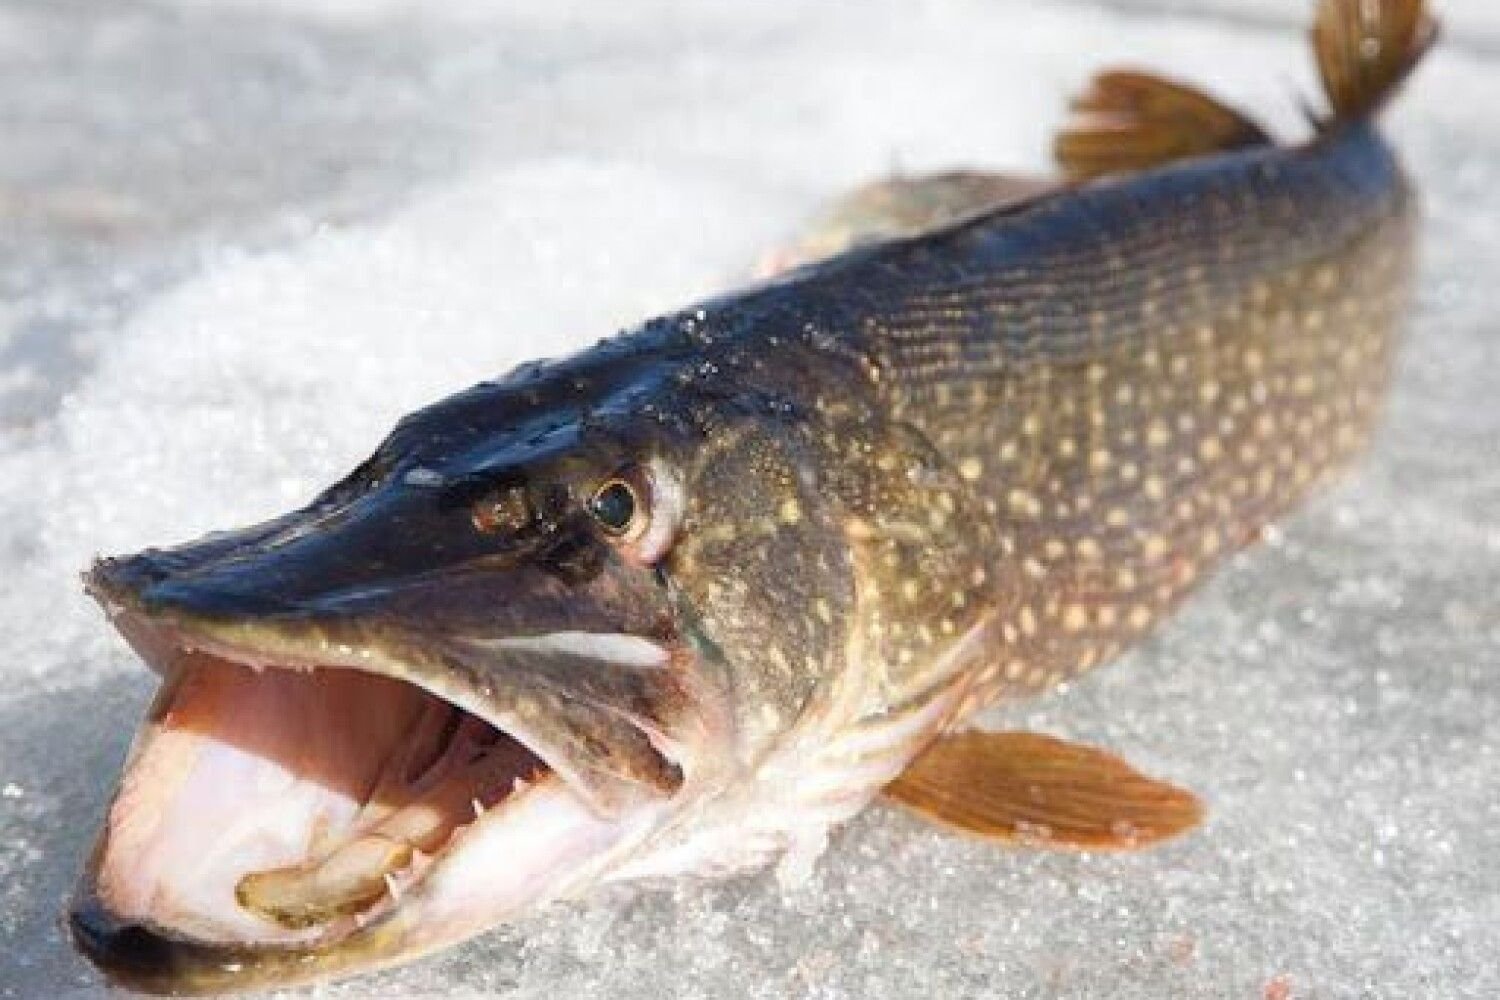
{"x":525,"y":847}
{"x":552,"y":848}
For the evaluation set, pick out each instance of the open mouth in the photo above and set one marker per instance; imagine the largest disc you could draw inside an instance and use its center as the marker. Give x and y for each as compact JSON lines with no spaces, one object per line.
{"x":324,"y":786}
{"x":288,"y":808}
{"x":282,"y":805}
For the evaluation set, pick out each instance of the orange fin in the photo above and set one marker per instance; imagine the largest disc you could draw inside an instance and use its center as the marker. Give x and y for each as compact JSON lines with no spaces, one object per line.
{"x":1366,"y":48}
{"x":1129,"y":121}
{"x":1041,"y":791}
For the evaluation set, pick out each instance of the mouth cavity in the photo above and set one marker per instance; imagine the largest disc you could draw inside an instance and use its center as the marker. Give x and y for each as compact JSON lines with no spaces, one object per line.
{"x":286,"y":806}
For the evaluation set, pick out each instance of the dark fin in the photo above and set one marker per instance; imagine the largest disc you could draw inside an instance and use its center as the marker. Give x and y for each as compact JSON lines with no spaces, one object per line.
{"x":1040,"y":791}
{"x":1128,"y":121}
{"x":898,"y":207}
{"x":1367,"y":48}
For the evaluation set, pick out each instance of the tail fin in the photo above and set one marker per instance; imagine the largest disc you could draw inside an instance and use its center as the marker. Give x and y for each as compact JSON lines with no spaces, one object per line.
{"x":1367,"y":48}
{"x":1128,"y":121}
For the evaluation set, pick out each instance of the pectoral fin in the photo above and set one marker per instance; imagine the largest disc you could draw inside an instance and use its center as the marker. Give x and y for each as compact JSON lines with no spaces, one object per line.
{"x":1041,"y":791}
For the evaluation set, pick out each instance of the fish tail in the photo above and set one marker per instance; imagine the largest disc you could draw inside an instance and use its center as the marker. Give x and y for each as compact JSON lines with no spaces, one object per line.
{"x":1127,"y":121}
{"x":1366,"y":49}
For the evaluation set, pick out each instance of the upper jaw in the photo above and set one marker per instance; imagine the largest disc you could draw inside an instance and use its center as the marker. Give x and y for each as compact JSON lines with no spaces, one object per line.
{"x":592,"y":677}
{"x":610,"y":721}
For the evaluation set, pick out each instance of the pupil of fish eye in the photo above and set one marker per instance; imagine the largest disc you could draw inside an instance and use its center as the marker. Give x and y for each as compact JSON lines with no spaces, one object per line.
{"x":614,"y":506}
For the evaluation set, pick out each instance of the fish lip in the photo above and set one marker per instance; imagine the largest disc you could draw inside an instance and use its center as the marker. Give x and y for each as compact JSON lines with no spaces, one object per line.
{"x":139,"y":957}
{"x":130,"y":953}
{"x":142,"y":957}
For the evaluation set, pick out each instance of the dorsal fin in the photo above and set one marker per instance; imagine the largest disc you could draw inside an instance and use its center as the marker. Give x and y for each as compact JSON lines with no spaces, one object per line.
{"x":1128,"y":121}
{"x":1367,"y":48}
{"x":897,"y":207}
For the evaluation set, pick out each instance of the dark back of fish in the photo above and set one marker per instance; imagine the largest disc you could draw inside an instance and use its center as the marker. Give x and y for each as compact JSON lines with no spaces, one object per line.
{"x":1134,"y":377}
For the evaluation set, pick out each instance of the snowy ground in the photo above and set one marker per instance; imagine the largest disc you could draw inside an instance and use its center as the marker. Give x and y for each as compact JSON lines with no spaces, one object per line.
{"x":238,"y":240}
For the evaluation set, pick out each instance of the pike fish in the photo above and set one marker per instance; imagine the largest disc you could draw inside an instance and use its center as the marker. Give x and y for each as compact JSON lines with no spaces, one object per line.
{"x":684,"y":602}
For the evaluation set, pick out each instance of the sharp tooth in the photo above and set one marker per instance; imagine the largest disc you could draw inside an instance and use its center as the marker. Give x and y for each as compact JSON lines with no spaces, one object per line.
{"x":478,"y":809}
{"x":519,"y":785}
{"x":421,"y":750}
{"x":392,"y":887}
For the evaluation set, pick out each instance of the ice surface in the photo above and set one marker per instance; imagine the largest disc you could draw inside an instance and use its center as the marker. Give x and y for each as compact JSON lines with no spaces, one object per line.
{"x":236,"y":242}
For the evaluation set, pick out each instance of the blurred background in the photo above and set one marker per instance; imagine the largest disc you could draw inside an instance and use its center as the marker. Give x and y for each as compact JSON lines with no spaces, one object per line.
{"x":239,"y":239}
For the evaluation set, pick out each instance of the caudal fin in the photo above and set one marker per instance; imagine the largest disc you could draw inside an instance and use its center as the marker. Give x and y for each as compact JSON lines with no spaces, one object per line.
{"x":1367,"y":48}
{"x":1128,"y":121}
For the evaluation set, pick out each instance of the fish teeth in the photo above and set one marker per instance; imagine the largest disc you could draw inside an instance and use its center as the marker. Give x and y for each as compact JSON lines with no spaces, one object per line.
{"x":393,"y":887}
{"x":478,"y":808}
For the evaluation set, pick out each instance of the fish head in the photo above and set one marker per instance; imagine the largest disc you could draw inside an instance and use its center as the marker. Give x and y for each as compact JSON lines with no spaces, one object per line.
{"x":544,"y":620}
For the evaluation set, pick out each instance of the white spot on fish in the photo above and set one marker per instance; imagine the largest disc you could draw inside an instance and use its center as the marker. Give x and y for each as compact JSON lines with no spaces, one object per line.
{"x":614,"y":647}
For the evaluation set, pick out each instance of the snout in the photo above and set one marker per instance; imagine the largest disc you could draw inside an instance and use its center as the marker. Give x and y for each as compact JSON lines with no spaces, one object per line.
{"x":155,"y":583}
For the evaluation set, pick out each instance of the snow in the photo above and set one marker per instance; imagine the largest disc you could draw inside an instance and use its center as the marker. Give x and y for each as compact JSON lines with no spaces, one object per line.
{"x":238,"y":241}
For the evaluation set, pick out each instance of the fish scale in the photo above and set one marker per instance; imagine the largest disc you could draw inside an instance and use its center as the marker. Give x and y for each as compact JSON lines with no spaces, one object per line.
{"x":1129,"y":426}
{"x":1125,"y":382}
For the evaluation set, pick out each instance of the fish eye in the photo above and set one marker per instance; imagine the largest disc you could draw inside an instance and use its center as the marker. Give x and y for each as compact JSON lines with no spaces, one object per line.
{"x":617,"y":507}
{"x":639,"y":510}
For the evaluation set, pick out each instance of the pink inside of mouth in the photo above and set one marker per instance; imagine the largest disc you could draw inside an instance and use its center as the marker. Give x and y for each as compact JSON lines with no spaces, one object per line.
{"x":282,"y":806}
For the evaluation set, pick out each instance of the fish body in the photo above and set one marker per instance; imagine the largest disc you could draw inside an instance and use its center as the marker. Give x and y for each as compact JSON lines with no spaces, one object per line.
{"x":685,"y":601}
{"x":1044,"y":428}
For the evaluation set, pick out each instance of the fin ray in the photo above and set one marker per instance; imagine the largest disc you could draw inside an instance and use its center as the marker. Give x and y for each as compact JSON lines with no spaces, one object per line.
{"x":1367,"y":48}
{"x":1039,"y":790}
{"x":1128,"y":121}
